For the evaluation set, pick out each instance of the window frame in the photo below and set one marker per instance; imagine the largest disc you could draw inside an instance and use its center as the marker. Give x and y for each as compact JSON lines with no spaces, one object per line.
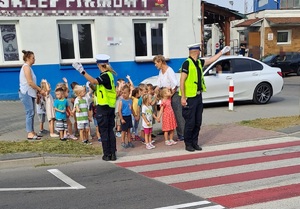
{"x":289,"y":37}
{"x":149,"y":23}
{"x":15,"y":62}
{"x":74,"y":24}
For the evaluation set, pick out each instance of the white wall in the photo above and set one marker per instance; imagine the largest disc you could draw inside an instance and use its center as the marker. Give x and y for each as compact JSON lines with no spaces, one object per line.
{"x":40,"y":34}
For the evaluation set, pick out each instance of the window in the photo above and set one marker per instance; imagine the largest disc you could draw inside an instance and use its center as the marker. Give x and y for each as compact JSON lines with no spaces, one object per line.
{"x":284,"y":36}
{"x":245,"y":65}
{"x":149,"y":39}
{"x":9,"y":44}
{"x":76,"y":41}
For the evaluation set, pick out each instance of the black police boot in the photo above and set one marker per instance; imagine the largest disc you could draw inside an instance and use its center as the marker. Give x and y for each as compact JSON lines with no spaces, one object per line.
{"x":113,"y":157}
{"x":197,"y":147}
{"x":189,"y":148}
{"x":106,"y":157}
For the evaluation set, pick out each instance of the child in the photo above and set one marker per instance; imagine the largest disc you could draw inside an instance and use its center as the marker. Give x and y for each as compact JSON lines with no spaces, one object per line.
{"x":168,"y":117}
{"x":92,"y":114}
{"x":60,"y":107}
{"x":120,"y":84}
{"x":49,"y":106}
{"x":41,"y":111}
{"x":147,"y":116}
{"x":125,"y":111}
{"x":71,"y":101}
{"x":154,"y":100}
{"x":65,"y":88}
{"x":142,"y":92}
{"x":136,"y":115}
{"x":81,"y":112}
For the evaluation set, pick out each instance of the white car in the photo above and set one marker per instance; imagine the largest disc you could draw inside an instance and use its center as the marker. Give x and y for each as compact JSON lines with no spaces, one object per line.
{"x":253,"y":80}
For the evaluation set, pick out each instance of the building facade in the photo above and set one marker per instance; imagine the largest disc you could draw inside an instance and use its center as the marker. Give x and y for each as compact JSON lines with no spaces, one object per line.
{"x":60,"y":32}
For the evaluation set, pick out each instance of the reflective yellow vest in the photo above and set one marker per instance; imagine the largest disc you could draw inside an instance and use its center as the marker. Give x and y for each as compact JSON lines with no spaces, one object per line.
{"x":191,"y":82}
{"x":106,"y":96}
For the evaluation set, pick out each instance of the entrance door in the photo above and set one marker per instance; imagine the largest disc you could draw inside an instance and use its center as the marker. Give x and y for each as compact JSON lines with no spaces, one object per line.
{"x":254,"y":45}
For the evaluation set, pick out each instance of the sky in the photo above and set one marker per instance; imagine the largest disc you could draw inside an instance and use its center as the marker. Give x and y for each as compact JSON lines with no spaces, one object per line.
{"x":238,"y":5}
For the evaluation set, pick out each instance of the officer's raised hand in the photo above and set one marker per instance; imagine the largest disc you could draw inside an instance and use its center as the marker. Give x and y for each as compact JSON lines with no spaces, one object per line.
{"x":225,"y":49}
{"x":78,"y":66}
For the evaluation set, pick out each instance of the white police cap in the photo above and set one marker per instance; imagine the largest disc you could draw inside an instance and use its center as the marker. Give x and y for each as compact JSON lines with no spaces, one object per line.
{"x":195,"y":46}
{"x":102,"y":58}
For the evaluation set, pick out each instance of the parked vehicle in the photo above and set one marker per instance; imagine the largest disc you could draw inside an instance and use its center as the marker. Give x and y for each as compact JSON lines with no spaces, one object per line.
{"x":253,"y":80}
{"x":288,"y":62}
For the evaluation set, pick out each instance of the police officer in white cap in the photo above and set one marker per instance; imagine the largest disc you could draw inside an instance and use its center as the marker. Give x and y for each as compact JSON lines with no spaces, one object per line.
{"x":105,"y":101}
{"x":192,"y":85}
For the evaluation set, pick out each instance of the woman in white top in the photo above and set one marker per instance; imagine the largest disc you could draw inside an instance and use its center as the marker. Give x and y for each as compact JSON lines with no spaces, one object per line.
{"x":167,"y":78}
{"x":27,"y":92}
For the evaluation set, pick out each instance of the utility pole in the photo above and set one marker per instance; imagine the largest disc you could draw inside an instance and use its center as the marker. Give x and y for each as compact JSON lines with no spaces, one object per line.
{"x":246,"y":7}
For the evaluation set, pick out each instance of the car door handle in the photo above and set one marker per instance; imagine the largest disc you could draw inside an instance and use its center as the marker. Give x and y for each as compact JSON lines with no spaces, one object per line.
{"x":255,"y":74}
{"x":228,"y":77}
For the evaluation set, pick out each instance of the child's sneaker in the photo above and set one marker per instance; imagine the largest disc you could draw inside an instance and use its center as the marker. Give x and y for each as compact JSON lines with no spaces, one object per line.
{"x":143,"y":140}
{"x":99,"y":140}
{"x":130,"y":145}
{"x":172,"y":141}
{"x":72,"y":137}
{"x":153,"y":141}
{"x":137,"y":138}
{"x":148,"y":146}
{"x":168,"y":143}
{"x":124,"y":145}
{"x":87,"y":142}
{"x":118,"y":134}
{"x":152,"y":145}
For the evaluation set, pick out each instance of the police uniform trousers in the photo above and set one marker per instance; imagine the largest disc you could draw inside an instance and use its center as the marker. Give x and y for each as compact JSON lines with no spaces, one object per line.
{"x":192,"y":113}
{"x":105,"y":116}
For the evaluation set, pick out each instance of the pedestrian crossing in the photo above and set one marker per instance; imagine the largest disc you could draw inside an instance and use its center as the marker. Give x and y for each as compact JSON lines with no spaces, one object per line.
{"x":257,"y":174}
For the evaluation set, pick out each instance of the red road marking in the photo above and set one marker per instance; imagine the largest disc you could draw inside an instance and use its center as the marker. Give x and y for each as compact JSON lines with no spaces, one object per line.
{"x":258,"y":196}
{"x":208,"y":154}
{"x":217,"y":165}
{"x":234,"y":178}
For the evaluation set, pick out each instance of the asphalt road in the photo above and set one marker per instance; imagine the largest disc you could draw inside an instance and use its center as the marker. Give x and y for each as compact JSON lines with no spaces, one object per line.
{"x":287,"y":103}
{"x":106,"y":186}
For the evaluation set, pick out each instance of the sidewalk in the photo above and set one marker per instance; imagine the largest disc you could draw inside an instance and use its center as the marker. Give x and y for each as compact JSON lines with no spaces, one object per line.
{"x":12,"y":128}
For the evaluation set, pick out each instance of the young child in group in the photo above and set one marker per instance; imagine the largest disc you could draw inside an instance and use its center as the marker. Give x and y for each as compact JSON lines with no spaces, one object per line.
{"x":142,"y":92}
{"x":147,"y":118}
{"x":71,"y":102}
{"x":125,"y":111}
{"x":136,"y":115}
{"x":168,"y":117}
{"x":81,"y":107}
{"x":65,"y":88}
{"x":92,"y":114}
{"x":154,"y":100}
{"x":41,"y":111}
{"x":120,"y":84}
{"x":49,"y":107}
{"x":60,"y":106}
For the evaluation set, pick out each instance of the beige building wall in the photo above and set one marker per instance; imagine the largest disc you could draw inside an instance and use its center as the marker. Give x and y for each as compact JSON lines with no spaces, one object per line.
{"x":271,"y":46}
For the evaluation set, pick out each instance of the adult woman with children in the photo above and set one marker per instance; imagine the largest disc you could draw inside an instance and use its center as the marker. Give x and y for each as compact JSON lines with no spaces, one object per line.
{"x":28,"y":92}
{"x":105,"y":103}
{"x":167,"y":78}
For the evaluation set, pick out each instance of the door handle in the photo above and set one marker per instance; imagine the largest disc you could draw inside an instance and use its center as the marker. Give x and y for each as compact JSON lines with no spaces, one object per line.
{"x":228,"y":77}
{"x":255,"y":74}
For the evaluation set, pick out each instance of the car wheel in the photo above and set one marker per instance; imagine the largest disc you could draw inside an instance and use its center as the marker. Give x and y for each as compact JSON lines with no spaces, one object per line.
{"x":298,"y":71}
{"x":262,"y":93}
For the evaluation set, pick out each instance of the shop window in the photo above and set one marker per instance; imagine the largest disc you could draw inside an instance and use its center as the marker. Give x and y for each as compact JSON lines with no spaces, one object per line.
{"x":9,"y":45}
{"x":284,"y":36}
{"x":76,"y":41}
{"x":149,"y":38}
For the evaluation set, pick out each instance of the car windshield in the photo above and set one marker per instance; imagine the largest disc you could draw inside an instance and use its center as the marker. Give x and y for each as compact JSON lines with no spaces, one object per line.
{"x":267,"y":58}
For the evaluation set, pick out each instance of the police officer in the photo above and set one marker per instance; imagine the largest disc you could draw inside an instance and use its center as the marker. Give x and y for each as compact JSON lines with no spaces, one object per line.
{"x":105,"y":100}
{"x":192,"y":85}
